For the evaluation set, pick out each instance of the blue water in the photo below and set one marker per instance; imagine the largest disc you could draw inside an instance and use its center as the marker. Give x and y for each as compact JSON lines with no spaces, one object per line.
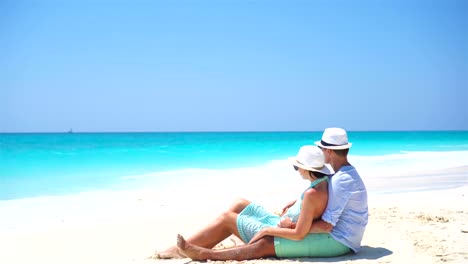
{"x":59,"y":163}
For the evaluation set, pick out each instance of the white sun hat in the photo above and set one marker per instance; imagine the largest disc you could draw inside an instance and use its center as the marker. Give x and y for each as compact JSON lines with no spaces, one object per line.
{"x":310,"y":158}
{"x":334,"y":138}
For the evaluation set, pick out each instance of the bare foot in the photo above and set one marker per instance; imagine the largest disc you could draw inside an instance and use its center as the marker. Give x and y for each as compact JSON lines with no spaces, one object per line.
{"x":169,"y":253}
{"x":190,"y":250}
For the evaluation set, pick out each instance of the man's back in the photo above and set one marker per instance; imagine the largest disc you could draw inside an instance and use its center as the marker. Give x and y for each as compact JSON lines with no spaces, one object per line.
{"x":347,"y":208}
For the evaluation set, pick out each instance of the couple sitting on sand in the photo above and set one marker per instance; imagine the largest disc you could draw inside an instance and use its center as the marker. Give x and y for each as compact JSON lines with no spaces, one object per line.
{"x":327,"y":220}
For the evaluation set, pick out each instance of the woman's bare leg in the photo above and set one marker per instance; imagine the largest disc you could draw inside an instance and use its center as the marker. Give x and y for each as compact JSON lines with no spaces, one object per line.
{"x":262,"y":248}
{"x":238,"y":205}
{"x":218,"y":230}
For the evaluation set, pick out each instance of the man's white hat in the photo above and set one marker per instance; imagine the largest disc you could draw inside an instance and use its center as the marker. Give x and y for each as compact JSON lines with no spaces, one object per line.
{"x":310,"y":158}
{"x":334,"y":138}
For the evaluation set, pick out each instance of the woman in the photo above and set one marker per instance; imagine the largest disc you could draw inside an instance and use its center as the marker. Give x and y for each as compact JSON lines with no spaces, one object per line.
{"x":267,"y":234}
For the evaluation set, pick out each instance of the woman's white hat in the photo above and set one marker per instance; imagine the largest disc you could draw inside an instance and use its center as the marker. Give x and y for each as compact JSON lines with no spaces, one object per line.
{"x":310,"y":158}
{"x":334,"y":138}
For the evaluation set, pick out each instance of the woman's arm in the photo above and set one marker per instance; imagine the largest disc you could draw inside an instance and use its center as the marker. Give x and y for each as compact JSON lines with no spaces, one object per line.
{"x":285,"y":209}
{"x":310,"y":210}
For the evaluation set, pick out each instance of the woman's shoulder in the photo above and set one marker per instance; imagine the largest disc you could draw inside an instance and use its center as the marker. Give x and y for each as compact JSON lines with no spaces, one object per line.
{"x":316,"y":198}
{"x":319,"y":190}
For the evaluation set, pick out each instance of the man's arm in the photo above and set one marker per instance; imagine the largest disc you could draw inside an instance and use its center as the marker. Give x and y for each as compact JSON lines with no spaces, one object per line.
{"x":320,"y":226}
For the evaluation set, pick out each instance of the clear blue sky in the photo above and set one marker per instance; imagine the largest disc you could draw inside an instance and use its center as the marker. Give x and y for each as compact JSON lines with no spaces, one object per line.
{"x":225,"y":65}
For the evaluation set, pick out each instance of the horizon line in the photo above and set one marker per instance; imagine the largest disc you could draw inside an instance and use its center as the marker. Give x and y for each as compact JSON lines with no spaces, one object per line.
{"x":214,"y":131}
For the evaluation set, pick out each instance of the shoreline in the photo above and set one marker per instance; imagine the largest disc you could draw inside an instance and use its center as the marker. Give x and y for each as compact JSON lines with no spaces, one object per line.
{"x":38,"y":183}
{"x":425,"y":180}
{"x":398,"y":182}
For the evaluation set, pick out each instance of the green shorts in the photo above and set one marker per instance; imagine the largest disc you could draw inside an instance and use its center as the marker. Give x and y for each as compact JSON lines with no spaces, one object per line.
{"x":313,"y":245}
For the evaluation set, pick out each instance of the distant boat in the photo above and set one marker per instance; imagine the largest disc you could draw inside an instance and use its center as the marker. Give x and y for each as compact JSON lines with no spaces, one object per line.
{"x":70,"y":131}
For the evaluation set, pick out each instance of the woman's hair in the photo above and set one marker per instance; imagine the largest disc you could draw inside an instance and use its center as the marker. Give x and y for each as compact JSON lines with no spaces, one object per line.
{"x":317,"y":174}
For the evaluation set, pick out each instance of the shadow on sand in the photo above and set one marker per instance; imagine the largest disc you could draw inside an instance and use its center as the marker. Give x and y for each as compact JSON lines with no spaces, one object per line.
{"x":367,"y":252}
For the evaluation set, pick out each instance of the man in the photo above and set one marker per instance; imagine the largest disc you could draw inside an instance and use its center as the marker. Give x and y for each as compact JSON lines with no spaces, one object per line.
{"x":346,"y":215}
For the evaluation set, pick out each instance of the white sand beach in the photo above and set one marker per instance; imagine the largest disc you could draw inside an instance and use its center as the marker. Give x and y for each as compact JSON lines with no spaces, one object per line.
{"x":428,"y":226}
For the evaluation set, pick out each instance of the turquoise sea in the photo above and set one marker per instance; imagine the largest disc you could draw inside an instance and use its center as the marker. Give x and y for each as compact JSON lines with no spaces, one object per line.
{"x":42,"y":164}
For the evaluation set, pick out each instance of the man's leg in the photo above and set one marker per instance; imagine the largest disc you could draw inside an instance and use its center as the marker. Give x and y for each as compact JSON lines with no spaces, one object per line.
{"x":218,"y":230}
{"x":262,"y":248}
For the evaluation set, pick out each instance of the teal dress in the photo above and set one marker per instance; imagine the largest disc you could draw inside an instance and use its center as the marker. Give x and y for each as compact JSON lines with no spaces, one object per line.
{"x":255,"y":217}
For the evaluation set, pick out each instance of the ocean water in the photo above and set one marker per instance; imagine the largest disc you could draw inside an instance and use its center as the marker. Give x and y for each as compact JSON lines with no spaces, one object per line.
{"x":44,"y":164}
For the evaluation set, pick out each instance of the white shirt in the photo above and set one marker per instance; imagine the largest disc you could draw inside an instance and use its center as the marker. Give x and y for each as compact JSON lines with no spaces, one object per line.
{"x":347,"y":207}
